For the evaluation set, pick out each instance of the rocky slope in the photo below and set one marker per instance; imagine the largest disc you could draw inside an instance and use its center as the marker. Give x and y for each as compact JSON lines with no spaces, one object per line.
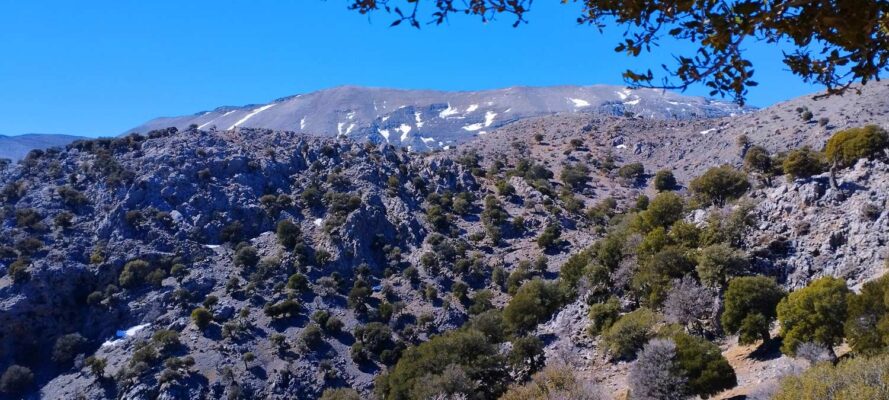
{"x":425,"y":120}
{"x":119,"y":240}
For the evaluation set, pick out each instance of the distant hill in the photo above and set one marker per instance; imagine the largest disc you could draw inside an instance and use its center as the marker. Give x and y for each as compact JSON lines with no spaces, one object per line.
{"x":429,"y":120}
{"x":16,"y":147}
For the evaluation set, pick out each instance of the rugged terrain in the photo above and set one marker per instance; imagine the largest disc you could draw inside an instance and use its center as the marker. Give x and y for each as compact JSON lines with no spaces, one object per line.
{"x":384,"y":234}
{"x":16,"y":147}
{"x":425,"y":120}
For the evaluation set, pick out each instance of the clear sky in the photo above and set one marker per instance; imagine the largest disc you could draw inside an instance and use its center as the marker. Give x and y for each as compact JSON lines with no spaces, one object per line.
{"x":100,"y":67}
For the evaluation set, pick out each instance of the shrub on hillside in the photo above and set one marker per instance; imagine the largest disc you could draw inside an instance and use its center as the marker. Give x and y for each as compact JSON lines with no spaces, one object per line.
{"x":629,"y":333}
{"x":853,"y":378}
{"x":720,"y":184}
{"x":844,"y":148}
{"x":664,"y":180}
{"x":665,"y":209}
{"x":719,"y":262}
{"x":750,"y":307}
{"x":803,"y":163}
{"x":814,"y":313}
{"x":16,"y":379}
{"x":535,"y":301}
{"x":867,"y":327}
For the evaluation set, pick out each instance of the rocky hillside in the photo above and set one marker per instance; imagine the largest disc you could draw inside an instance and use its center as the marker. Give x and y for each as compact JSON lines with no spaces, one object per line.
{"x":426,"y":120}
{"x":253,"y":263}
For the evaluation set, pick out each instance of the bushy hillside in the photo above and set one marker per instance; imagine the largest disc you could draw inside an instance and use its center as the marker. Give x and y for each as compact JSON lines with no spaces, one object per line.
{"x":579,"y":254}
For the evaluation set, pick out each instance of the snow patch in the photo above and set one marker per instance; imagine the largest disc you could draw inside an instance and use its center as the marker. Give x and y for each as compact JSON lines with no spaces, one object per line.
{"x":623,"y":94}
{"x":419,"y":119}
{"x":447,"y":112}
{"x":471,"y":108}
{"x":120,"y":335}
{"x":405,"y":129}
{"x":318,"y":222}
{"x":349,"y":129}
{"x":473,"y":127}
{"x":386,"y":118}
{"x":482,"y":132}
{"x":248,"y":116}
{"x":489,"y":118}
{"x":351,"y":115}
{"x":385,"y":133}
{"x":339,"y":128}
{"x":621,"y":146}
{"x":302,"y":123}
{"x":211,"y":246}
{"x":633,"y":102}
{"x":708,"y":131}
{"x":426,"y":139}
{"x":579,"y":102}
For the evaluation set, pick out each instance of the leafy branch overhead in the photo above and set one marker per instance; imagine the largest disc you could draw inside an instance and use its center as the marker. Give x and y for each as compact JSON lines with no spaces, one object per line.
{"x":833,"y":43}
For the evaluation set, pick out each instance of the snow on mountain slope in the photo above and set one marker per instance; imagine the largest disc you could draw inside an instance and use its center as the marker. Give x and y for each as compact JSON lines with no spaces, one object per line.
{"x":427,"y":120}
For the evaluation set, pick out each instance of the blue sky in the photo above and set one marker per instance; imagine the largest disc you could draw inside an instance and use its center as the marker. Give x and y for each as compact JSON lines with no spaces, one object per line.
{"x":100,"y":67}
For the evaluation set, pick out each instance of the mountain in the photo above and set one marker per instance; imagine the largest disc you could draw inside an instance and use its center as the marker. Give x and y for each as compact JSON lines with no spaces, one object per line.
{"x":426,"y":120}
{"x":16,"y":147}
{"x":266,"y":264}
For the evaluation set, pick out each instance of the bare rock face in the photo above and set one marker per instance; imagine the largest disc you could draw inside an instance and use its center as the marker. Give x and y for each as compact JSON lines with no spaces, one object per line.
{"x":807,"y":230}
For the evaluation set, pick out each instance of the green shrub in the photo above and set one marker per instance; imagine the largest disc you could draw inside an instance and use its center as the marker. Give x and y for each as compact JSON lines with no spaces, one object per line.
{"x":845,"y":147}
{"x":702,"y":364}
{"x":603,"y":315}
{"x":134,"y":273}
{"x":288,"y":233}
{"x":632,"y":172}
{"x":67,"y":347}
{"x":311,"y":336}
{"x":720,"y":184}
{"x":750,"y":307}
{"x":851,"y":379}
{"x":340,"y":394}
{"x":470,"y":350}
{"x":813,"y":314}
{"x":867,"y":327}
{"x":534,"y":302}
{"x":803,"y":163}
{"x":18,"y":270}
{"x":665,"y":209}
{"x":16,"y":379}
{"x":282,"y":309}
{"x":246,"y":257}
{"x":575,"y":175}
{"x":550,"y":236}
{"x":664,"y":180}
{"x":629,"y":333}
{"x":201,"y":317}
{"x":719,"y":262}
{"x":758,"y":160}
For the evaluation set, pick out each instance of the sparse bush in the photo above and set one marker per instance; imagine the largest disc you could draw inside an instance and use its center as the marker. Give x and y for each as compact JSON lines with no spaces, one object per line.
{"x":311,"y":336}
{"x":720,"y":184}
{"x":134,"y":273}
{"x":288,"y":233}
{"x":603,"y":315}
{"x":854,"y":378}
{"x":284,"y":308}
{"x":550,"y":236}
{"x":201,"y":317}
{"x":719,"y":262}
{"x":655,"y":374}
{"x":664,"y":180}
{"x":535,"y":301}
{"x":67,"y":347}
{"x":18,"y":270}
{"x":633,"y":172}
{"x":554,"y":382}
{"x":867,"y":326}
{"x":246,"y":257}
{"x":340,"y":394}
{"x":629,"y":333}
{"x":575,"y":175}
{"x":688,"y":304}
{"x":16,"y":379}
{"x":803,"y":163}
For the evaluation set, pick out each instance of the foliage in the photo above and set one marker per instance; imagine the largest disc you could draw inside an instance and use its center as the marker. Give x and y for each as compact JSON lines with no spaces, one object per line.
{"x":688,"y":303}
{"x":67,"y":347}
{"x":749,"y":308}
{"x":655,"y":375}
{"x":201,"y":317}
{"x":340,"y":394}
{"x":629,"y":333}
{"x":467,"y":348}
{"x":575,"y":175}
{"x":535,"y":301}
{"x":16,"y":379}
{"x":288,"y":233}
{"x":853,"y":41}
{"x":867,"y":327}
{"x":603,"y":315}
{"x":813,"y":314}
{"x":665,"y":209}
{"x":632,"y":172}
{"x":718,"y":262}
{"x":282,"y":309}
{"x":720,"y":184}
{"x":664,"y":180}
{"x":803,"y":163}
{"x":550,"y":236}
{"x":846,"y":147}
{"x":855,"y":378}
{"x":554,"y":382}
{"x":702,"y":363}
